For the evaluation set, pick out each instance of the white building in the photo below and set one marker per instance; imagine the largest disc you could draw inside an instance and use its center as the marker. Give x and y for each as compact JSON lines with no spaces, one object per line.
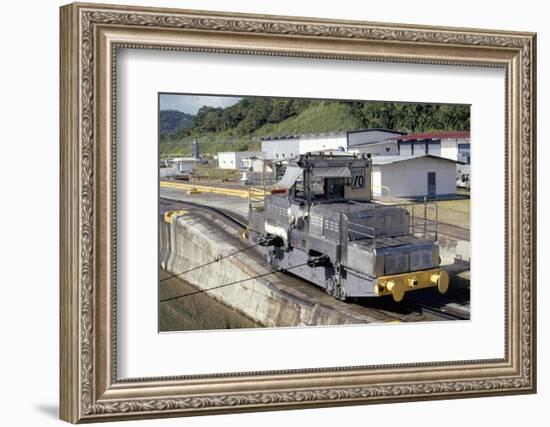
{"x":185,"y":164}
{"x":383,"y":148}
{"x":257,"y":164}
{"x":258,"y":170}
{"x":413,"y":176}
{"x":178,"y":166}
{"x":293,"y":145}
{"x":234,"y":159}
{"x":363,"y":138}
{"x":454,"y":145}
{"x":288,"y":147}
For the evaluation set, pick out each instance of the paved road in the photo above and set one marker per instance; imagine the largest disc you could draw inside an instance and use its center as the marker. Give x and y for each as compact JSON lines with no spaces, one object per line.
{"x":235,"y":204}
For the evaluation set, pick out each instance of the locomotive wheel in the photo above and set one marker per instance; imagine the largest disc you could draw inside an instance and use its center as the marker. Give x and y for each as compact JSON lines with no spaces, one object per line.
{"x":331,"y":287}
{"x":340,"y":293}
{"x":273,"y":260}
{"x":335,"y":289}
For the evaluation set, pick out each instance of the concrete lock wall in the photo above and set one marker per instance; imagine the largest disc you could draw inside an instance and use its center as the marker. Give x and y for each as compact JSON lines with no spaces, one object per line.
{"x":270,"y":301}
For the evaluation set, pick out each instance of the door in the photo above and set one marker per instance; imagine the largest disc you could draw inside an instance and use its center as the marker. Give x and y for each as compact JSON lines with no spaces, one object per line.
{"x":431,"y":184}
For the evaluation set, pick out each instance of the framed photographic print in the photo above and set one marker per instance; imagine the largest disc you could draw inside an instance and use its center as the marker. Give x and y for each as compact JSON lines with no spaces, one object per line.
{"x":268,"y":212}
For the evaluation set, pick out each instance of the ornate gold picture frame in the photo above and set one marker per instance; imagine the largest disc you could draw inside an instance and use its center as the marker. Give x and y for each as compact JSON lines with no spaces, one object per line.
{"x":90,"y":37}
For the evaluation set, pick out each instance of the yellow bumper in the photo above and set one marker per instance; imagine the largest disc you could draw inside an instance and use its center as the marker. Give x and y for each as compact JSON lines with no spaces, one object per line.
{"x":169,"y":215}
{"x":396,"y":285}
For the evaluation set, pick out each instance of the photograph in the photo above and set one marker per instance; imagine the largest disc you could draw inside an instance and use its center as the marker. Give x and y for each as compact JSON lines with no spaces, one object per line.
{"x":297,"y":212}
{"x":267,"y":212}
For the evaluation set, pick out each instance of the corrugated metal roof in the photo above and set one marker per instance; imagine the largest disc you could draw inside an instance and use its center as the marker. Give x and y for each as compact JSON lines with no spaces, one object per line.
{"x":248,"y":153}
{"x":185,"y":159}
{"x":377,"y":130}
{"x":386,"y":160}
{"x":370,"y":144}
{"x":342,"y":132}
{"x":303,"y":135}
{"x":462,"y":134}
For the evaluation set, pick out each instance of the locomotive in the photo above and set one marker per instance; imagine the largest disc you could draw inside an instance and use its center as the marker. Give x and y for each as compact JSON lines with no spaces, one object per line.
{"x":321,"y":223}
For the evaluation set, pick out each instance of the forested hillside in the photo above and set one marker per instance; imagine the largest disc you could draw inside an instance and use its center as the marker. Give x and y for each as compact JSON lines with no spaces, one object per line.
{"x":171,"y":121}
{"x":242,"y":125}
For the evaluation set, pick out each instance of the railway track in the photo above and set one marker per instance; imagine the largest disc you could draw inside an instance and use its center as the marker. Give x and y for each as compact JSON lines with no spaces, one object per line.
{"x":445,"y":312}
{"x":233,"y":217}
{"x":432,"y":307}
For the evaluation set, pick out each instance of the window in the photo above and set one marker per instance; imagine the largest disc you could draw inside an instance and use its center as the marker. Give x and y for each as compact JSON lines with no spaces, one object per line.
{"x":334,"y":188}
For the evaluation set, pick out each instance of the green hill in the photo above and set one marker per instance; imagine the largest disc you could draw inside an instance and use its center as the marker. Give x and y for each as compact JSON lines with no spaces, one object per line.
{"x":171,"y":121}
{"x":242,"y":125}
{"x":319,"y":117}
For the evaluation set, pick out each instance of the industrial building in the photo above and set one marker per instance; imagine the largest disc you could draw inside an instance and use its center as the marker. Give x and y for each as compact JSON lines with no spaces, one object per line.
{"x":234,"y":159}
{"x":185,"y":164}
{"x":290,"y":146}
{"x":413,"y":176}
{"x":374,"y":141}
{"x":382,"y":148}
{"x":178,"y":167}
{"x":414,"y":165}
{"x":454,"y":145}
{"x":258,"y":170}
{"x":257,"y":163}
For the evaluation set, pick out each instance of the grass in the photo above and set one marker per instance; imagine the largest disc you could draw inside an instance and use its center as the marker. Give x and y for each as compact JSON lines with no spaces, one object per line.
{"x":454,"y":212}
{"x":320,"y":117}
{"x":209,"y":144}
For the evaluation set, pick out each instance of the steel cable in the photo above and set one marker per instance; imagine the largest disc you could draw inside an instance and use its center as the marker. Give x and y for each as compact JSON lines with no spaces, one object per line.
{"x":211,"y":262}
{"x":232,"y":283}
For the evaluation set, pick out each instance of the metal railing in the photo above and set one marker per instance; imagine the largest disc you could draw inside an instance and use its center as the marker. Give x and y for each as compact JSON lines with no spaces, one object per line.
{"x":215,"y":174}
{"x":256,"y":197}
{"x":257,"y":178}
{"x":421,"y":222}
{"x":382,"y":188}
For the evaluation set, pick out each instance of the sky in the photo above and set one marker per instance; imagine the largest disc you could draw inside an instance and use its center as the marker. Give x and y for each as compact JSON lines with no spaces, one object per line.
{"x":191,"y":104}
